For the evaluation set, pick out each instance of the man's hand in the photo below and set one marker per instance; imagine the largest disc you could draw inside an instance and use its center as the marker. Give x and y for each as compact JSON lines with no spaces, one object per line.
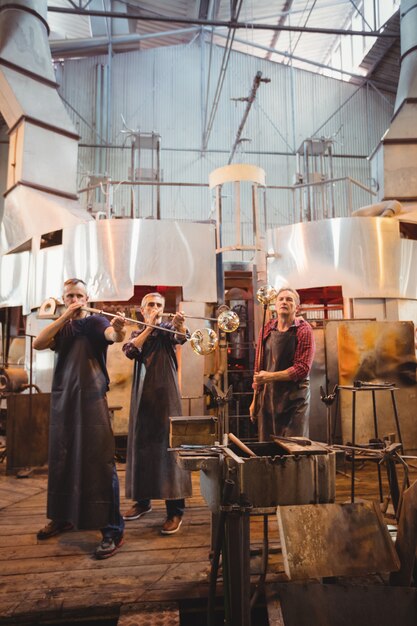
{"x":46,"y":337}
{"x":116,"y":331}
{"x":153,"y":316}
{"x":253,"y":416}
{"x":178,"y":321}
{"x":263,"y":377}
{"x":118,"y":322}
{"x":72,"y":311}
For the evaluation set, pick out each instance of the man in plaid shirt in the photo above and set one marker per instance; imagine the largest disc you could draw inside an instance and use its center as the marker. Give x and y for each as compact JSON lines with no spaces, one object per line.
{"x":283,"y":361}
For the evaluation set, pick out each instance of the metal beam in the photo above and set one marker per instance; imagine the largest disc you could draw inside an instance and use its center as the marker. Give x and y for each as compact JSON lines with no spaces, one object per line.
{"x":288,"y":55}
{"x":283,"y":17}
{"x":66,"y":47}
{"x":225,"y":61}
{"x":203,"y":9}
{"x":230,"y":24}
{"x":77,"y":46}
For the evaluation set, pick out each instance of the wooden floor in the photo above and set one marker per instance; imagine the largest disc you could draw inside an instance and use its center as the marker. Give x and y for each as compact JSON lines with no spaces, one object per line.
{"x":58,"y":579}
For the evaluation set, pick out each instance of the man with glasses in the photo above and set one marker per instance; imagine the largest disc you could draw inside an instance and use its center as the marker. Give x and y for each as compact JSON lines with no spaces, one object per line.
{"x":83,"y":487}
{"x":151,"y":470}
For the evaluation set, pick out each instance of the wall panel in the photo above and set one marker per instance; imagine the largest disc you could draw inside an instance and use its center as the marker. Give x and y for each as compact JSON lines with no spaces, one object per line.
{"x":164,"y":90}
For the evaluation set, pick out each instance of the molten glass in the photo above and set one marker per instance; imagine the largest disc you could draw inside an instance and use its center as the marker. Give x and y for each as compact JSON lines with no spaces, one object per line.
{"x":228,"y":321}
{"x":204,"y":341}
{"x":266,"y":294}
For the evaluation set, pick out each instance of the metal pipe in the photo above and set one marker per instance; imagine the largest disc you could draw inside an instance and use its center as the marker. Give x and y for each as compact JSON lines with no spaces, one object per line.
{"x":158,"y":169}
{"x":332,"y":203}
{"x":193,"y":317}
{"x":265,"y":549}
{"x":130,"y":182}
{"x":218,"y":545}
{"x":250,"y":100}
{"x":198,"y":150}
{"x":65,"y":47}
{"x":231,"y":24}
{"x":109,"y":103}
{"x":97,"y":150}
{"x":237,"y":214}
{"x":225,"y":62}
{"x":293,"y":101}
{"x":228,"y":321}
{"x":178,"y":184}
{"x":90,"y":309}
{"x":255,"y":211}
{"x":105,"y":119}
{"x":408,"y":30}
{"x":218,"y":191}
{"x":332,"y":180}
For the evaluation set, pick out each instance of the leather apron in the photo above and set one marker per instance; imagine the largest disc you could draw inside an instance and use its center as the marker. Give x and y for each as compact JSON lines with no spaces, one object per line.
{"x":151,"y":470}
{"x":283,"y":406}
{"x":81,"y":442}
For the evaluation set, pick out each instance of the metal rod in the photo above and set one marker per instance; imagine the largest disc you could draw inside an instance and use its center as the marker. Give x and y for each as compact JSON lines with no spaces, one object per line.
{"x":218,"y":546}
{"x":193,"y":317}
{"x":232,"y":24}
{"x":352,"y":486}
{"x":381,"y":495}
{"x":225,"y":62}
{"x":129,"y":319}
{"x":250,"y":100}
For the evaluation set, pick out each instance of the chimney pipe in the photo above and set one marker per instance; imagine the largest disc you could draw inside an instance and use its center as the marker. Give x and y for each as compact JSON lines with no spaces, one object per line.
{"x":394,"y":162}
{"x":41,"y":189}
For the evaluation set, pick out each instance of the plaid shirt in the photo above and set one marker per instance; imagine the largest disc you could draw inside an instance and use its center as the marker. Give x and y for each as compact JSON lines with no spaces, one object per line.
{"x":304,"y":352}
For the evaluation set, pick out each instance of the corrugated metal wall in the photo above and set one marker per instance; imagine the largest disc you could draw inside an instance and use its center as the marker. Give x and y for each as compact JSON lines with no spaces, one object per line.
{"x":163,"y":90}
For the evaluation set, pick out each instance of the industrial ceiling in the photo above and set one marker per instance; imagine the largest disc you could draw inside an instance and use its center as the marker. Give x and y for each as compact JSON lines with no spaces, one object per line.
{"x":304,"y":33}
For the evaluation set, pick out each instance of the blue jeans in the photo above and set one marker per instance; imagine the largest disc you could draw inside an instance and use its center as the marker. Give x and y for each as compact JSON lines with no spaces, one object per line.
{"x":116,"y":524}
{"x":173,"y":507}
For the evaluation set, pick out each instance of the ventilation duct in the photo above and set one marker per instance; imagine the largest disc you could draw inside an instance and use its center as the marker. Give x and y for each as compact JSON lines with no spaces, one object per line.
{"x":394,"y":163}
{"x":43,"y":143}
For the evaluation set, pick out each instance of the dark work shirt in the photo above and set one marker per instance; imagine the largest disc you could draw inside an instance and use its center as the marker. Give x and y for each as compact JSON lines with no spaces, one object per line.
{"x":93,"y":327}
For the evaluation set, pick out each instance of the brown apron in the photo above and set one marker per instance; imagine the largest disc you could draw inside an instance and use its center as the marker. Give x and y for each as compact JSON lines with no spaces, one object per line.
{"x":283,"y":406}
{"x":151,"y":470}
{"x":81,"y":442}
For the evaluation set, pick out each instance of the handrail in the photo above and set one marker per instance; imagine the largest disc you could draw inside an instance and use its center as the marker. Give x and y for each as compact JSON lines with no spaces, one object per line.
{"x":182,"y":184}
{"x":323,"y":182}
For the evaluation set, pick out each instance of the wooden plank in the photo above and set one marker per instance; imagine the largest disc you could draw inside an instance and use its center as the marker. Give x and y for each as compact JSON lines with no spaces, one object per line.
{"x":58,"y":578}
{"x":80,"y":558}
{"x":82,"y":580}
{"x":321,"y":540}
{"x":146,"y":614}
{"x":273,"y":605}
{"x":299,"y":445}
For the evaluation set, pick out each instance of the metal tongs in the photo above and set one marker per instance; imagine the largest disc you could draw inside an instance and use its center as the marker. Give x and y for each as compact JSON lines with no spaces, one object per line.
{"x":363,"y":383}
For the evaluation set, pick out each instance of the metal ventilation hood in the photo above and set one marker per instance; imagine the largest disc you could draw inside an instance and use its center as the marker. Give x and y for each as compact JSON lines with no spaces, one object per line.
{"x":394,"y":162}
{"x":40,"y":192}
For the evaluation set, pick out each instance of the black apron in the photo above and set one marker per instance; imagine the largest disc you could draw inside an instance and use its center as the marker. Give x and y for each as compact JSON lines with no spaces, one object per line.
{"x":151,"y":470}
{"x":81,"y":442}
{"x":283,"y":406}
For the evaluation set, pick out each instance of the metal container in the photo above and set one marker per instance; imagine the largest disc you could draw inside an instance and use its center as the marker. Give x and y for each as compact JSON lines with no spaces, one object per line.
{"x":192,"y":430}
{"x":270,"y":479}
